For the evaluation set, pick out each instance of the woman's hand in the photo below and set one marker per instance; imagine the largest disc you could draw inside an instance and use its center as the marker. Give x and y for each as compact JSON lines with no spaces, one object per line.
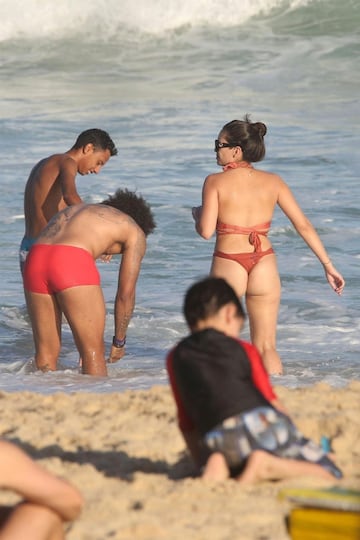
{"x":334,"y":278}
{"x":196,"y":213}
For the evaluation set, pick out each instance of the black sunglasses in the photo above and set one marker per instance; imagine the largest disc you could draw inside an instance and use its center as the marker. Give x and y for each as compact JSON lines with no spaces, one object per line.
{"x":219,"y":145}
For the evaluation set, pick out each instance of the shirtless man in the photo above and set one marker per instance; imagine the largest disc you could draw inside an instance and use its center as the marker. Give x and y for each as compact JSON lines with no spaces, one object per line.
{"x":51,"y":184}
{"x":60,"y":275}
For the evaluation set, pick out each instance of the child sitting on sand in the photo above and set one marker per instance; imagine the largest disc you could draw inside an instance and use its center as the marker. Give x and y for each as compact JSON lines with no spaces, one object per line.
{"x":231,"y":420}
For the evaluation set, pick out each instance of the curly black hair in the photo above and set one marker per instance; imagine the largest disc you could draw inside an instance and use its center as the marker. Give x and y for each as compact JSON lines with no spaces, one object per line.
{"x":134,"y":206}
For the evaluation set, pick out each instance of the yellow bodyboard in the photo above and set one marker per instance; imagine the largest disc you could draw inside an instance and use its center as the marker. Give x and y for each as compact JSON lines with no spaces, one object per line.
{"x":336,"y":498}
{"x":323,"y":514}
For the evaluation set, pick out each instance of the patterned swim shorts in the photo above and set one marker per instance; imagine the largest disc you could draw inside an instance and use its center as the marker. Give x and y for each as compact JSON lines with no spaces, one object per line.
{"x":264,"y":428}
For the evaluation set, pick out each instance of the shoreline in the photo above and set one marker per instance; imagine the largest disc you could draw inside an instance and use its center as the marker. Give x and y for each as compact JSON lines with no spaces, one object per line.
{"x":126,"y":455}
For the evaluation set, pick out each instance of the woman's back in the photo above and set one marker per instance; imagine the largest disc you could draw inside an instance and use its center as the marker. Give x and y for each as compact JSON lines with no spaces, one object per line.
{"x":246,"y":198}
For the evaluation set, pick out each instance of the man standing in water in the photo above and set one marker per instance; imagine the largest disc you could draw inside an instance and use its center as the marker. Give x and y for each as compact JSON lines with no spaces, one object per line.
{"x":51,"y":184}
{"x":60,"y":276}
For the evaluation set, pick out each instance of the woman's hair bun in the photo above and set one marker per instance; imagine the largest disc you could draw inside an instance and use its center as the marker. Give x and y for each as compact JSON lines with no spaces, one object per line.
{"x":260,"y":128}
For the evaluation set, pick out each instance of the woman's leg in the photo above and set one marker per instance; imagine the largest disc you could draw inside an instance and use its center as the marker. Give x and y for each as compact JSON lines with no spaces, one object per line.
{"x":262,"y":289}
{"x":262,"y":302}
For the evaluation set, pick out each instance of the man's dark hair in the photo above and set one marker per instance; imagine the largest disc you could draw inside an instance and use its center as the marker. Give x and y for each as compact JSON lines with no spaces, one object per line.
{"x":97,"y":137}
{"x":206,"y":297}
{"x":134,"y":206}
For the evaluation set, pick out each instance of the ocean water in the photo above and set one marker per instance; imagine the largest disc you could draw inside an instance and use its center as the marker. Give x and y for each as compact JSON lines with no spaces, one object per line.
{"x":163,"y":78}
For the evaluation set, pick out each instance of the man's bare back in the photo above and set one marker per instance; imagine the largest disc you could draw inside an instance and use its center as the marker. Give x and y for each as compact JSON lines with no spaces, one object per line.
{"x":60,"y":276}
{"x":108,"y":230}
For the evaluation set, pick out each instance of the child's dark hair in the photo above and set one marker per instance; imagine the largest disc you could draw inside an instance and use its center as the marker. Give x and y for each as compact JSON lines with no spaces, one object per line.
{"x":248,"y":135}
{"x":99,"y":138}
{"x":134,"y":206}
{"x":206,"y":297}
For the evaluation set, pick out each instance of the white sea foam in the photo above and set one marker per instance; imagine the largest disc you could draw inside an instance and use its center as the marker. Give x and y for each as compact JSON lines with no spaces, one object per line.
{"x":31,"y":19}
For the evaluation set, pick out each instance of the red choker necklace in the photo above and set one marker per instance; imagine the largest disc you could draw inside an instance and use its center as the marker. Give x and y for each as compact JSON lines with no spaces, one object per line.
{"x":238,"y":165}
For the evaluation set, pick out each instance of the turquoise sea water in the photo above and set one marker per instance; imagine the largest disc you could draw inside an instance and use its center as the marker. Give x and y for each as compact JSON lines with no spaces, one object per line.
{"x":163,"y":79}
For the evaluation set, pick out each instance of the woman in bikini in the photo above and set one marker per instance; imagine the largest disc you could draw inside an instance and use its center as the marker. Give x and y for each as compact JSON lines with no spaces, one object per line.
{"x":238,"y":204}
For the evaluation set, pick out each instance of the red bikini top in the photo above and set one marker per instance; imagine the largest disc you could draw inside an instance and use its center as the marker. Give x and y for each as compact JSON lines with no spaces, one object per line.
{"x":253,"y":232}
{"x":238,"y":165}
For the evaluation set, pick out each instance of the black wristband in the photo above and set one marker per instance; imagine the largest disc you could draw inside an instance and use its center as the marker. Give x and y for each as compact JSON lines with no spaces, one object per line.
{"x":119,"y":343}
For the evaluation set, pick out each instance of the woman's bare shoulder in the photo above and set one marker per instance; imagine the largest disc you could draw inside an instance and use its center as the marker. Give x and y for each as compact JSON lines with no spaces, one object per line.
{"x":271,"y":179}
{"x":214,"y":176}
{"x":269,"y":174}
{"x":213,"y":180}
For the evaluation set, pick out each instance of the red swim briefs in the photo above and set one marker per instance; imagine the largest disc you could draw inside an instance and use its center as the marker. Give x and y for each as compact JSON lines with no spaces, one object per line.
{"x":50,"y":269}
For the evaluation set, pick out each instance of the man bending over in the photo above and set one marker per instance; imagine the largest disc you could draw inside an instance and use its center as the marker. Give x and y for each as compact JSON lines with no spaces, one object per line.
{"x":60,"y":276}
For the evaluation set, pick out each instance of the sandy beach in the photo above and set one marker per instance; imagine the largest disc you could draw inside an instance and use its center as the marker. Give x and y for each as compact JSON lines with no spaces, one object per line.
{"x":126,"y":455}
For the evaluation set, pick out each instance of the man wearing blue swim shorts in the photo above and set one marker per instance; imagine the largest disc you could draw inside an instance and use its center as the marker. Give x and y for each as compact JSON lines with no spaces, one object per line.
{"x":51,"y":184}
